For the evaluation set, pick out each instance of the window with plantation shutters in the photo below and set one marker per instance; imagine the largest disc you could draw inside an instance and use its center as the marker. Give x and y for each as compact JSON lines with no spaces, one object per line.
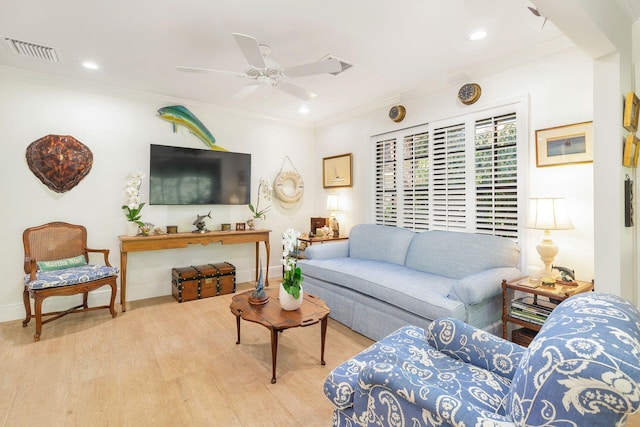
{"x":496,"y":176}
{"x":449,"y":206}
{"x":415,"y":182}
{"x":386,"y":198}
{"x":455,"y":175}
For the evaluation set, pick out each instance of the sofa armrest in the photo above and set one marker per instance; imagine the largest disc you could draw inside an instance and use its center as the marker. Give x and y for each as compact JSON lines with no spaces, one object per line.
{"x":329,"y":250}
{"x":469,"y":344}
{"x":388,"y":395}
{"x":483,"y":285}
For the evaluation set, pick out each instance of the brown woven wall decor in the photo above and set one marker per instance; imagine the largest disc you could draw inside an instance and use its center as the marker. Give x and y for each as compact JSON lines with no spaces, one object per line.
{"x":59,"y":161}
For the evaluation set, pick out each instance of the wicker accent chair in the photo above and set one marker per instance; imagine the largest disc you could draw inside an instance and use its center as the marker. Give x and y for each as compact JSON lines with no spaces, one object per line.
{"x":56,"y":263}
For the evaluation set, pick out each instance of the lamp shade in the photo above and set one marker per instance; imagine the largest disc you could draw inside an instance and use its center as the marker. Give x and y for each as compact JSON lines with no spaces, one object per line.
{"x":333,"y":202}
{"x":548,"y":214}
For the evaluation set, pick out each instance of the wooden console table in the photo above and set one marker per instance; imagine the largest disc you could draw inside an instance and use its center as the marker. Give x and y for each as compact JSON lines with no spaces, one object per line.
{"x":183,"y":240}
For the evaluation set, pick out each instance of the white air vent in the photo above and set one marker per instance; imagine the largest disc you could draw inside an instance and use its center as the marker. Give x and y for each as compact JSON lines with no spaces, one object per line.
{"x":345,"y":65}
{"x":32,"y":50}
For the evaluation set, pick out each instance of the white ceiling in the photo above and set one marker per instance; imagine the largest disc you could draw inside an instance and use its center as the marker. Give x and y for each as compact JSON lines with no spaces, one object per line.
{"x":396,"y":47}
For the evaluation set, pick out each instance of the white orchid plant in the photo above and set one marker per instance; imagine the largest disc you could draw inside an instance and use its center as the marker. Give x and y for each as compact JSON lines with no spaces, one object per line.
{"x":292,"y":280}
{"x":264,"y":191}
{"x":133,"y":205}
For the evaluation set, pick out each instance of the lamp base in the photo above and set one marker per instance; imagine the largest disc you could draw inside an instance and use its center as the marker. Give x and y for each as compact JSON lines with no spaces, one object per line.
{"x":547,"y":250}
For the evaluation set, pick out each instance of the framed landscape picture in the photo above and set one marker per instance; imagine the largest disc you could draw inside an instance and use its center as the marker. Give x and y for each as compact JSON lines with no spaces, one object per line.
{"x":631,"y":108}
{"x":565,"y":144}
{"x":336,"y":171}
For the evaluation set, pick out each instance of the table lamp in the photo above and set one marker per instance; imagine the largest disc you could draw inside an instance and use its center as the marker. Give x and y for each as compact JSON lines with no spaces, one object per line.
{"x":547,"y":214}
{"x":333,"y":205}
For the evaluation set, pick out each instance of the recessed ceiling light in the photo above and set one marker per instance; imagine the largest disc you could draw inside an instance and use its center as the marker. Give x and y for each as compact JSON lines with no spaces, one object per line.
{"x":477,"y":35}
{"x":90,"y":65}
{"x":304,"y":109}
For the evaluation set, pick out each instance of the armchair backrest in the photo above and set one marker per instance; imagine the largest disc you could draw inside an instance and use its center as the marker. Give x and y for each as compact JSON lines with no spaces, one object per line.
{"x":583,"y":367}
{"x":53,"y":241}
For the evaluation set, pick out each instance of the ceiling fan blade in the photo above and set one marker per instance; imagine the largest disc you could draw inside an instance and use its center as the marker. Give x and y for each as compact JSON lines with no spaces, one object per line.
{"x":322,"y":67}
{"x":251,"y":50}
{"x":208,"y":70}
{"x":296,"y":91}
{"x":245,"y":91}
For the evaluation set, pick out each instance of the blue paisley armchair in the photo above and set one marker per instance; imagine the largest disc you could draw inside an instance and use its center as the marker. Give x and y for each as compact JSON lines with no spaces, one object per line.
{"x":583,"y":368}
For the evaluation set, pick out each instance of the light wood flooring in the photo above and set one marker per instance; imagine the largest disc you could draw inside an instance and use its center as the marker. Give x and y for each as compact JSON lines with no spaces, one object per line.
{"x":167,"y":364}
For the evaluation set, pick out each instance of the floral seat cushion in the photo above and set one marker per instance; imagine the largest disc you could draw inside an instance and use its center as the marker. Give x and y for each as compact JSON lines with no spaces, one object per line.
{"x":70,"y":276}
{"x":408,"y":350}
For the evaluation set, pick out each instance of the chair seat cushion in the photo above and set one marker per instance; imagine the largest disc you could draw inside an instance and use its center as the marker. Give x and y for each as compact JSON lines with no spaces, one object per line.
{"x":424,"y":367}
{"x":70,"y":276}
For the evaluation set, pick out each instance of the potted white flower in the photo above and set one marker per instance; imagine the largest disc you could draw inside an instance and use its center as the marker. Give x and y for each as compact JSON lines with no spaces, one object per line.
{"x":259,"y":215}
{"x":133,"y":206}
{"x":291,"y":293}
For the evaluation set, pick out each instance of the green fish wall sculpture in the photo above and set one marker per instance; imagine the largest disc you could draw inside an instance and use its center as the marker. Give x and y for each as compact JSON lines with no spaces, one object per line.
{"x":180,"y":115}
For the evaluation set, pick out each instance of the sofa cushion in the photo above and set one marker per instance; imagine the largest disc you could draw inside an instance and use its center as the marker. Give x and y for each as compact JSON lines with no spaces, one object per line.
{"x":417,"y":292}
{"x":457,"y":255}
{"x":379,"y":243}
{"x":585,"y":360}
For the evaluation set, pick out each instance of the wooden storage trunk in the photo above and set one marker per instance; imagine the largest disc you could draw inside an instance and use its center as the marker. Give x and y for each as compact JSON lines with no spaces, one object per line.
{"x":203,"y":281}
{"x":185,"y":283}
{"x":226,"y":276}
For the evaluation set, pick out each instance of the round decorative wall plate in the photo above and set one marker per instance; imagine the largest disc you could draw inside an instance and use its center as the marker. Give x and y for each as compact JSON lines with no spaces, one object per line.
{"x":469,"y":93}
{"x":397,"y":113}
{"x":59,"y":161}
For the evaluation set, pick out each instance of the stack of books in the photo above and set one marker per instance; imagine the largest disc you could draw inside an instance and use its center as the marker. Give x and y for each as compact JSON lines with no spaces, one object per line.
{"x":532,"y":310}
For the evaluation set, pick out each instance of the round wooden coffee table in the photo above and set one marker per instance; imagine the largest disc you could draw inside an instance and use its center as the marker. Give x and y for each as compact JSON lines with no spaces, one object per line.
{"x":273,"y":317}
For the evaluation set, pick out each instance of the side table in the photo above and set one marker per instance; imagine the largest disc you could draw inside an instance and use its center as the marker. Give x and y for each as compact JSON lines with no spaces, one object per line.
{"x":531,"y":310}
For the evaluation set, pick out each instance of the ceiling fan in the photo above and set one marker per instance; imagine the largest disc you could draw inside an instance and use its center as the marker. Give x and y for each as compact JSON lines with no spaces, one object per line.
{"x":266,"y":72}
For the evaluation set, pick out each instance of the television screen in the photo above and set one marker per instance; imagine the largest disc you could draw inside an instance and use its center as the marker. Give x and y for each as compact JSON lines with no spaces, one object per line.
{"x":189,"y":176}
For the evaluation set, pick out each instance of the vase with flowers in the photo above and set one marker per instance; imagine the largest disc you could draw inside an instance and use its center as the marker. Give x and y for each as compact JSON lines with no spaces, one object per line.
{"x":259,"y":215}
{"x":133,"y":206}
{"x":291,"y":292}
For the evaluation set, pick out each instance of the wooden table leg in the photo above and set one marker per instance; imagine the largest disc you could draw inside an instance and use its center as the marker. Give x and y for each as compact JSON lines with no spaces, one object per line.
{"x":323,"y":336}
{"x":268,"y":248}
{"x":123,"y":280}
{"x":274,"y":354}
{"x":238,"y":328}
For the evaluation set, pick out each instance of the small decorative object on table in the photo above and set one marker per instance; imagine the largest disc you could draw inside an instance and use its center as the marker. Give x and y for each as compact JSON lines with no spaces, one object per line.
{"x":172,"y":229}
{"x":264,"y":190}
{"x":225,"y":227}
{"x":291,"y":293}
{"x":240,"y":226}
{"x":133,"y":206}
{"x":259,"y":296}
{"x":200,"y":224}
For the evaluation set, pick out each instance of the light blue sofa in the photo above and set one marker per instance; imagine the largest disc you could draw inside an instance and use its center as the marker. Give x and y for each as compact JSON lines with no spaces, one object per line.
{"x":582,"y":369}
{"x":385,"y":277}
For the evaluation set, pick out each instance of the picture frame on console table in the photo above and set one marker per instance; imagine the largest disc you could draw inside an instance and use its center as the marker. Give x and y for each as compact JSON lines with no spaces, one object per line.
{"x":564,"y":145}
{"x":336,"y":171}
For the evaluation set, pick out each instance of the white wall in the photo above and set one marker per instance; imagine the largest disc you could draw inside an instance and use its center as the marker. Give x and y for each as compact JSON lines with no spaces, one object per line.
{"x":118,"y":127}
{"x":558,"y":90}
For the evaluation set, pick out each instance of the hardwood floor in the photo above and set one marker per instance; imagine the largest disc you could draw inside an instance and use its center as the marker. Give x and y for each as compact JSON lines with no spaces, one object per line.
{"x":167,"y":364}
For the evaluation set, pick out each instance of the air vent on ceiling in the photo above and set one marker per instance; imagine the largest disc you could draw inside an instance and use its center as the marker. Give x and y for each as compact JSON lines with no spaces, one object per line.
{"x":32,"y":50}
{"x":345,"y":65}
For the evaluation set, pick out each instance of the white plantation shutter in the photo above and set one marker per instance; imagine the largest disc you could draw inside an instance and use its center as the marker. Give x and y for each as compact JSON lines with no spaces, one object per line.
{"x":448,"y":199}
{"x":415,"y":183}
{"x":451,"y":175}
{"x":386,"y":197}
{"x":496,"y":174}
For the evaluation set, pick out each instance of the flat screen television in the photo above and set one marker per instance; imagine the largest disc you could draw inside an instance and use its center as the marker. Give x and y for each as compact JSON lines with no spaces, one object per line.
{"x":190,"y":176}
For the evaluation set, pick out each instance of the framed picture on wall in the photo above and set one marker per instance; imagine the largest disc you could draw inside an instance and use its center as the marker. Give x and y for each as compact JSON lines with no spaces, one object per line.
{"x":631,"y":107}
{"x":565,"y":144}
{"x":336,"y":171}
